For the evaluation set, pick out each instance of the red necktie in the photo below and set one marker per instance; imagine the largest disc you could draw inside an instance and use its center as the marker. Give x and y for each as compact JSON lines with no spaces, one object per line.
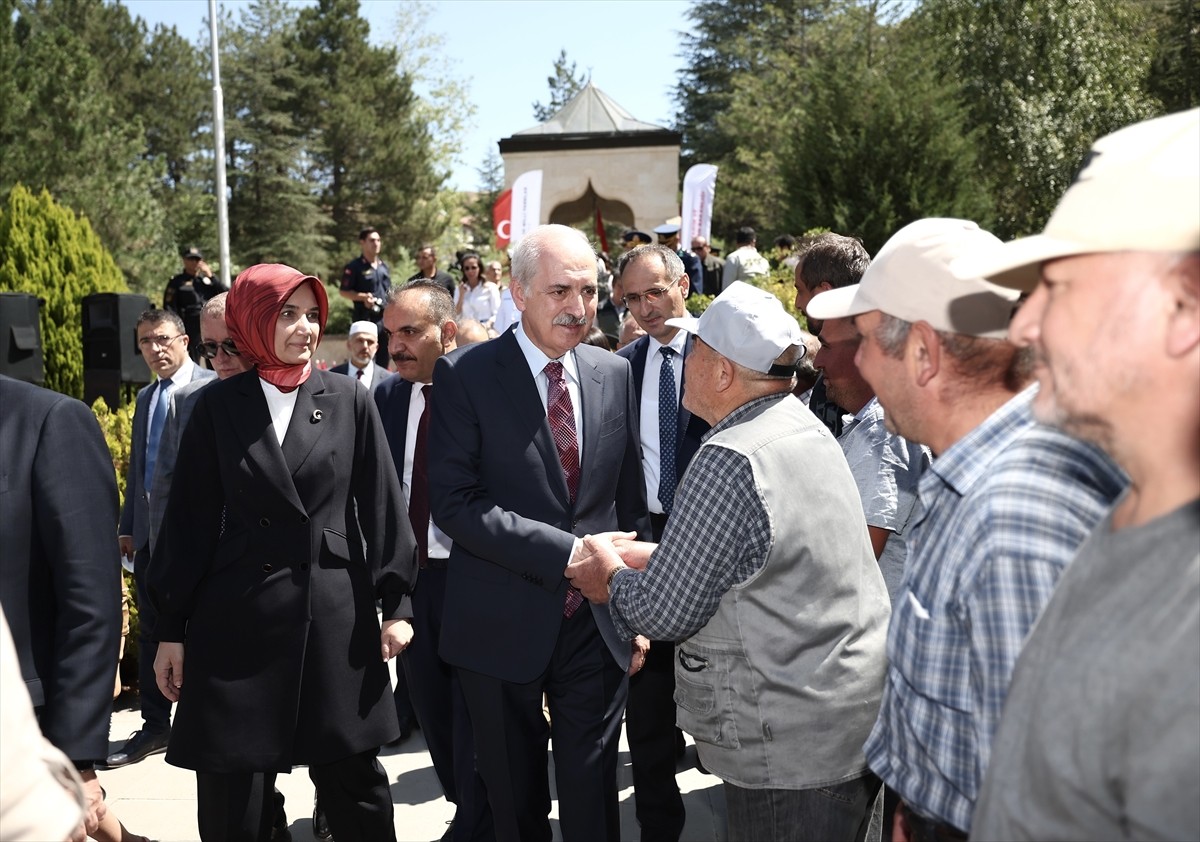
{"x":418,"y":493}
{"x":360,"y":373}
{"x":561,"y":414}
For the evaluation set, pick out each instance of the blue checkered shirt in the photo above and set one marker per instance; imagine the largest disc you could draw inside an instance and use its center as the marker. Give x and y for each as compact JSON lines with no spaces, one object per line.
{"x":718,"y":535}
{"x":1001,"y":513}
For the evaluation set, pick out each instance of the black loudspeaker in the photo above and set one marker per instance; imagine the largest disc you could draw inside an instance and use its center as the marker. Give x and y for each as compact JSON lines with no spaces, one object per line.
{"x":110,"y":350}
{"x":21,"y":338}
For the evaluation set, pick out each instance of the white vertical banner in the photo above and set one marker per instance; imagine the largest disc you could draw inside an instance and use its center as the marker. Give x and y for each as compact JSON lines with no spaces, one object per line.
{"x":699,"y":187}
{"x":526,"y":204}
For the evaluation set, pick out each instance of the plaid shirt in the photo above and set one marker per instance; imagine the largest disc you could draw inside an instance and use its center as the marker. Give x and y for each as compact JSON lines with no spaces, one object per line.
{"x":1001,"y":513}
{"x":718,"y":535}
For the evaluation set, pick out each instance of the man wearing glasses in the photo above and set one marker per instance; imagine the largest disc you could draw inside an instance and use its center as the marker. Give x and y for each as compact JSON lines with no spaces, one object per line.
{"x":655,"y":284}
{"x":164,"y":345}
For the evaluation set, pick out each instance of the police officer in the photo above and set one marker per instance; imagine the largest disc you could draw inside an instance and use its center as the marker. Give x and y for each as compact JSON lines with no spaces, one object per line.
{"x":187,"y":292}
{"x":366,"y":281}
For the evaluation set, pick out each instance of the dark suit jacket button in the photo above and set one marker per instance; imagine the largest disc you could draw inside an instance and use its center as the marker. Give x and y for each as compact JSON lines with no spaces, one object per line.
{"x":264,"y":523}
{"x":304,"y":518}
{"x":304,"y":565}
{"x":267,"y":568}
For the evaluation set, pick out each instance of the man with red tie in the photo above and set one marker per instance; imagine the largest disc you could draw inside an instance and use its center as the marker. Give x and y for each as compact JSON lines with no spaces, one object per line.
{"x":536,"y":445}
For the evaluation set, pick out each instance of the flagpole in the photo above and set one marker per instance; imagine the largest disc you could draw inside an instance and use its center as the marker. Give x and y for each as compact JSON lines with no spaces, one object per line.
{"x":221,"y":187}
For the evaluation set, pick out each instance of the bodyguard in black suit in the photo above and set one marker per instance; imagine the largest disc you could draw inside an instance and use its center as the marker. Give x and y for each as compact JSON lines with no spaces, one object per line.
{"x":655,"y":286}
{"x":535,"y":444}
{"x":59,"y":572}
{"x":419,"y":318}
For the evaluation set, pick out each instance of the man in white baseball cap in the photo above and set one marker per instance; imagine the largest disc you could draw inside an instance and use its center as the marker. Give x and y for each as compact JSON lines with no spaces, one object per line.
{"x":774,"y":594}
{"x":1003,"y":507}
{"x":1101,"y":732}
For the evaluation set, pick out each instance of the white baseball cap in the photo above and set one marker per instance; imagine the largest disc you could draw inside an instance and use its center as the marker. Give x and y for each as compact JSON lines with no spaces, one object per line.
{"x":1139,"y":190}
{"x":910,"y":279}
{"x":746,"y":324}
{"x":364,"y":326}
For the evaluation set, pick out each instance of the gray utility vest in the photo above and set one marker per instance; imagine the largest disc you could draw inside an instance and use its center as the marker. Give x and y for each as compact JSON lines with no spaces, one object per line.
{"x":782,"y":686}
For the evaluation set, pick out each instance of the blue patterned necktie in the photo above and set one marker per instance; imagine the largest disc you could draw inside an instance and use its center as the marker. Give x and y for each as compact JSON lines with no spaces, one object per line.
{"x":668,"y":430}
{"x":156,"y":427}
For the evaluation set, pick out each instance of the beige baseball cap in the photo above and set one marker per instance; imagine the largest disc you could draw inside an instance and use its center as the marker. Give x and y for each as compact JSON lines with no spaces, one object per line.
{"x":1139,"y":190}
{"x":748,"y":325}
{"x":910,"y":279}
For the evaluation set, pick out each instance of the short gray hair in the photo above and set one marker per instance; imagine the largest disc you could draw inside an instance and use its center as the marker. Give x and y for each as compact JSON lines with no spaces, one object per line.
{"x":528,"y":252}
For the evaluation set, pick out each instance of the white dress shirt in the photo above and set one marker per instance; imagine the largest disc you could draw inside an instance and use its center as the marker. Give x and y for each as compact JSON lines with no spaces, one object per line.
{"x":439,"y":542}
{"x":648,"y":421}
{"x":281,"y":405}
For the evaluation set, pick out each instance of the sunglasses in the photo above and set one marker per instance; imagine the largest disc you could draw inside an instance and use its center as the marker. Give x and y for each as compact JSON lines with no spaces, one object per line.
{"x":209,"y":349}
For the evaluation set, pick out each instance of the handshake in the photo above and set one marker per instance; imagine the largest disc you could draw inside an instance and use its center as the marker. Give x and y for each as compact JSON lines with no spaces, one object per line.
{"x":597,"y":558}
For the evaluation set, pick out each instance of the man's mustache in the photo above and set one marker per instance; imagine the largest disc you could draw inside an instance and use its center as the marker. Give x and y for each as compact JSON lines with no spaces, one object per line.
{"x":567,"y":320}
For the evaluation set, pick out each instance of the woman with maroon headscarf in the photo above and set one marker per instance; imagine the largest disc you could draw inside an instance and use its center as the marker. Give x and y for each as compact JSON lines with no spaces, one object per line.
{"x":285,"y":523}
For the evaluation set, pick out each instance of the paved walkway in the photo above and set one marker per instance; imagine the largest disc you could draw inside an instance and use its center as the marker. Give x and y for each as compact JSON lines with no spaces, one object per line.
{"x":159,"y":801}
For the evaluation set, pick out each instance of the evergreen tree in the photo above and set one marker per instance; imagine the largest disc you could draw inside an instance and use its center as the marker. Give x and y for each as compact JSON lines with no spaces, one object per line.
{"x":274,"y":209}
{"x":880,"y":145}
{"x":1042,"y":79}
{"x":1175,"y":70}
{"x":370,"y":150}
{"x":47,"y":251}
{"x":564,"y":85}
{"x":61,"y":129}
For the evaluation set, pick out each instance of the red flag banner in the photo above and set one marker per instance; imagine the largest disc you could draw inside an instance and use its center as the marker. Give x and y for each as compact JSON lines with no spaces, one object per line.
{"x":600,"y":235}
{"x":502,"y":219}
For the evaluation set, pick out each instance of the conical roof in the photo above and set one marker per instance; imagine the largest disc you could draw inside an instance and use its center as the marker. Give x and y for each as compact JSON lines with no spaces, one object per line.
{"x":591,"y":111}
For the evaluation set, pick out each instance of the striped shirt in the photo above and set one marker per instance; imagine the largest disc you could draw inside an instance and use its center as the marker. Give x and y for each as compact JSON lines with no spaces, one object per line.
{"x":1001,"y":513}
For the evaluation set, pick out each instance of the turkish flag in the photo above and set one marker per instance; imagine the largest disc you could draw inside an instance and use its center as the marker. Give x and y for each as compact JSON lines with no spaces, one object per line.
{"x":502,"y":219}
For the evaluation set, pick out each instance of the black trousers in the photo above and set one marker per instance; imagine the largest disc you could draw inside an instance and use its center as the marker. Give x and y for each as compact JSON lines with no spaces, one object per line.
{"x":156,"y":708}
{"x":442,"y":710}
{"x":586,"y":690}
{"x":239,"y":806}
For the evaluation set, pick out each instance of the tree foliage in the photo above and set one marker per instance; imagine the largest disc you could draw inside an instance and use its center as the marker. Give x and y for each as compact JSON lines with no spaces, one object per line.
{"x":564,"y":84}
{"x":861,"y":115}
{"x":47,"y":251}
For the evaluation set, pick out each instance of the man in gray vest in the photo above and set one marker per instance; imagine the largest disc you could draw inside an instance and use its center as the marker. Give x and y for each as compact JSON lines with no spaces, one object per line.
{"x":774,"y":595}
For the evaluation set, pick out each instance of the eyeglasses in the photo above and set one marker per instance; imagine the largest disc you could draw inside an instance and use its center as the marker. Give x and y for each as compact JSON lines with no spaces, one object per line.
{"x":157,"y":341}
{"x":209,"y":349}
{"x":652,"y":295}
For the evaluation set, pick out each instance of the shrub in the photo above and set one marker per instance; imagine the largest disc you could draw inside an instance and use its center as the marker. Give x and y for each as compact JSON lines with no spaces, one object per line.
{"x":47,"y":251}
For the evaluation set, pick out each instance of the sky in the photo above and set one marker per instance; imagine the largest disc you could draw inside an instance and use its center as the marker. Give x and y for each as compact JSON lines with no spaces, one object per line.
{"x":501,"y":51}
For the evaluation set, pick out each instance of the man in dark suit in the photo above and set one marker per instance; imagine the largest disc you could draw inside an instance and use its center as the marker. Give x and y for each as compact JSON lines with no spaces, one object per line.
{"x":59,"y":580}
{"x":656,"y":284}
{"x":164,"y":344}
{"x":537,"y":445}
{"x":419,"y":318}
{"x":363,"y":345}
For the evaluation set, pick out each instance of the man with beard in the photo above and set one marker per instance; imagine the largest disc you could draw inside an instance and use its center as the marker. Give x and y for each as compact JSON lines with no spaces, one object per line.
{"x":1004,"y":506}
{"x":363,"y":345}
{"x":419,"y":319}
{"x":1100,"y":733}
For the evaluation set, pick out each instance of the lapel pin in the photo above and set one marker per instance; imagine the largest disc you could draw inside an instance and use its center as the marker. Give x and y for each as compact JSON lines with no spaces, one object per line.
{"x":316,"y":416}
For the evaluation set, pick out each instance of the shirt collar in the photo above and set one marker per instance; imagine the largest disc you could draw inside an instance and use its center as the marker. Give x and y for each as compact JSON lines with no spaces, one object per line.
{"x":183,"y":374}
{"x":966,"y":462}
{"x":537,"y":359}
{"x":676,"y":344}
{"x":742,"y":411}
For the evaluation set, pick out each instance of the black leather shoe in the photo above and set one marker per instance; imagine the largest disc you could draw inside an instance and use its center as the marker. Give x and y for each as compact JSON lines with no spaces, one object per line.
{"x":320,"y":823}
{"x":140,"y":745}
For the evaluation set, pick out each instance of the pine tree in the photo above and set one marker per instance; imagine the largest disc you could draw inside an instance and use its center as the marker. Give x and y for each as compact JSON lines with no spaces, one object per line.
{"x":564,"y":85}
{"x":47,"y":251}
